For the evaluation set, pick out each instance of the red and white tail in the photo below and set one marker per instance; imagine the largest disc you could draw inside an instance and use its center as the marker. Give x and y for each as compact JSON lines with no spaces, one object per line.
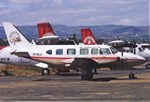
{"x":45,"y":29}
{"x":87,"y":37}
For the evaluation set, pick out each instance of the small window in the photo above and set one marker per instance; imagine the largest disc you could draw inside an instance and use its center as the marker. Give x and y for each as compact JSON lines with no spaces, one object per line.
{"x":105,"y":51}
{"x":34,"y":54}
{"x":59,"y":51}
{"x":84,"y":51}
{"x":94,"y":51}
{"x":49,"y":52}
{"x":71,"y":51}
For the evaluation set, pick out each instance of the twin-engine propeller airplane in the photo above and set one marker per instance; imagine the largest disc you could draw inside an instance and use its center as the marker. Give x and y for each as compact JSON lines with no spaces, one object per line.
{"x":57,"y":56}
{"x":84,"y":56}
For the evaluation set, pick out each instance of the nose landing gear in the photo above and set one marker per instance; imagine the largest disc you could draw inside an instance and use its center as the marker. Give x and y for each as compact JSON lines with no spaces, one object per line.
{"x":132,"y":76}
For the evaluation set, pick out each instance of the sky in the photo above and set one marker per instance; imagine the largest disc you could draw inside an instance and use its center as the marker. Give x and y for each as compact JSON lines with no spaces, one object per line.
{"x":75,"y":12}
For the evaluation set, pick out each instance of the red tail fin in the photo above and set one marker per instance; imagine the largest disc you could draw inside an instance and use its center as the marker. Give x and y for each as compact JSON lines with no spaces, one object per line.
{"x":87,"y":37}
{"x":45,"y":29}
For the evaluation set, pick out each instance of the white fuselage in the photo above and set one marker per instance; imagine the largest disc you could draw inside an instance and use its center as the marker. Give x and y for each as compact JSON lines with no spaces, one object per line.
{"x":65,"y":54}
{"x":62,"y":54}
{"x":53,"y":56}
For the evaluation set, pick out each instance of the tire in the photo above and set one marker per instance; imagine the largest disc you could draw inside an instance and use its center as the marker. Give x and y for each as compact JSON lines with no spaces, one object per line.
{"x":148,"y":66}
{"x":86,"y":73}
{"x":131,"y":76}
{"x":94,"y":71}
{"x":45,"y":71}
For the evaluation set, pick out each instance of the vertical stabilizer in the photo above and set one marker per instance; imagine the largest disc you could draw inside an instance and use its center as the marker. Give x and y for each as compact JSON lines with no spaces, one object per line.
{"x":87,"y":37}
{"x":45,"y":29}
{"x":15,"y":38}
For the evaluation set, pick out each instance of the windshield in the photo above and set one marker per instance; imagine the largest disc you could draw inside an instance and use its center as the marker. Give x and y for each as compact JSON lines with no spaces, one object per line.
{"x":105,"y":51}
{"x":114,"y":50}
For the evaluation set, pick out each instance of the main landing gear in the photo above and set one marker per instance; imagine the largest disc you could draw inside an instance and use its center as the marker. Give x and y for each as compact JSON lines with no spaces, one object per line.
{"x":148,"y":66}
{"x":45,"y":71}
{"x":86,"y":70}
{"x":86,"y":73}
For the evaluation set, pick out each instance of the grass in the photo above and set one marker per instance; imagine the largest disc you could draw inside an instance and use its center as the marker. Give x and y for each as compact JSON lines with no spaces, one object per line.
{"x":21,"y":70}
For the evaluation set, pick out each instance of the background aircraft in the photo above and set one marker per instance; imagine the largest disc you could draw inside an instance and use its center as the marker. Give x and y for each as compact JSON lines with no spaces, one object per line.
{"x":47,"y":35}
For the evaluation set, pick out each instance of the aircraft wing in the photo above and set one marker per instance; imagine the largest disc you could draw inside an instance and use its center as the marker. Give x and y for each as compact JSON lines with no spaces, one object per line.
{"x":21,"y":54}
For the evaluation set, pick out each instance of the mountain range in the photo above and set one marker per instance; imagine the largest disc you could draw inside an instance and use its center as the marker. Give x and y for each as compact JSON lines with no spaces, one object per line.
{"x":107,"y":32}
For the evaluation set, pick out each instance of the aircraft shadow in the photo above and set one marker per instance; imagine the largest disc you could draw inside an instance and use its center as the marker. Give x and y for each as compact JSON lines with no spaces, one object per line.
{"x":107,"y":79}
{"x":68,"y":74}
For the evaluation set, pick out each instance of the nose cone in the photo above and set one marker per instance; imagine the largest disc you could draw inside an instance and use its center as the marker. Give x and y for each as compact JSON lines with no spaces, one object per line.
{"x":131,"y":59}
{"x":148,"y":52}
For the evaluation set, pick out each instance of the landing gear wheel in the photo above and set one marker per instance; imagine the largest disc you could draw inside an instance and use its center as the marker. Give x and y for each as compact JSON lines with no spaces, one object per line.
{"x":94,"y":71}
{"x":147,"y":66}
{"x":86,"y":73}
{"x":45,"y":71}
{"x":132,"y":76}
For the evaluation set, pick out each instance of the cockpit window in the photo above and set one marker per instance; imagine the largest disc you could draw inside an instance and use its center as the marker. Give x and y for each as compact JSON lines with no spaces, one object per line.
{"x":113,"y":50}
{"x":49,"y":52}
{"x":105,"y":51}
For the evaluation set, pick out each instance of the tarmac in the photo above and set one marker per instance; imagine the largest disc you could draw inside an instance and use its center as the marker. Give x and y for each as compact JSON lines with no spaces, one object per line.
{"x":107,"y":85}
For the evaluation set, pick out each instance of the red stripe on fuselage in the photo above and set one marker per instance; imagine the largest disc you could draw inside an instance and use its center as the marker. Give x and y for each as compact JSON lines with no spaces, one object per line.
{"x":71,"y":58}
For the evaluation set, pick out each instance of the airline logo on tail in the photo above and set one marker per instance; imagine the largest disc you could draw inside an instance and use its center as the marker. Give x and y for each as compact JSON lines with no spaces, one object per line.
{"x":87,"y":37}
{"x":14,"y":37}
{"x":45,"y":29}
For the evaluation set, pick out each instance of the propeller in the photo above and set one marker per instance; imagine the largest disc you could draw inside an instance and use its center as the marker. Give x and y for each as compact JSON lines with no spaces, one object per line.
{"x":122,"y":60}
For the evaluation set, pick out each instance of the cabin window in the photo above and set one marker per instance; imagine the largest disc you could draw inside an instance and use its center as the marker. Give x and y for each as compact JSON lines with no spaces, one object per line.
{"x":34,"y":54}
{"x":49,"y":52}
{"x":59,"y":51}
{"x":105,"y":51}
{"x":84,"y":51}
{"x":71,"y":51}
{"x":94,"y":51}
